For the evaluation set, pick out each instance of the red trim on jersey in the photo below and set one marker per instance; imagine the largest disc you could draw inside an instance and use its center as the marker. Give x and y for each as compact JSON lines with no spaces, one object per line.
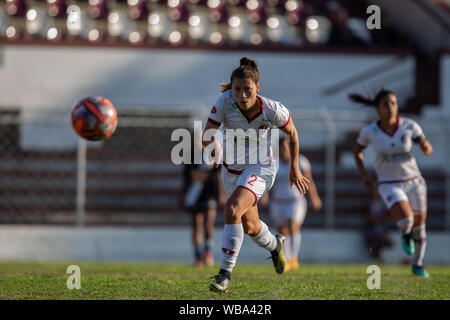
{"x":260,"y":103}
{"x":260,"y":112}
{"x":231,"y":170}
{"x":256,"y":197}
{"x":393,"y":132}
{"x":214,"y":122}
{"x":398,"y":181}
{"x":284,"y":125}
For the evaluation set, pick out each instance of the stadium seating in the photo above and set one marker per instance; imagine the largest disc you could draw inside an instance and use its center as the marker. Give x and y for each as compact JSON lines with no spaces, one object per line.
{"x":276,"y":23}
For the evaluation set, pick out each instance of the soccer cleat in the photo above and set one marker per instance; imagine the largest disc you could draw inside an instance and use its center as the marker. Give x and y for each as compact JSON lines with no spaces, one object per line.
{"x":420,"y":271}
{"x":294,"y":264}
{"x":277,"y":255}
{"x":287,"y":267}
{"x":209,"y":259}
{"x":408,"y":243}
{"x":220,"y":284}
{"x":198,"y":263}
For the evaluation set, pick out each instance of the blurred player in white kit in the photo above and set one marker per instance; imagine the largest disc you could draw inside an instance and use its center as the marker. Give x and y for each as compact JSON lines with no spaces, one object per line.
{"x":288,"y":206}
{"x":400,"y":182}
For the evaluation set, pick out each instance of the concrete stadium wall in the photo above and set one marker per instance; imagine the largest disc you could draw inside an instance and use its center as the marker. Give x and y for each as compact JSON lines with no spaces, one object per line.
{"x":162,"y":244}
{"x":56,"y":78}
{"x":34,"y":77}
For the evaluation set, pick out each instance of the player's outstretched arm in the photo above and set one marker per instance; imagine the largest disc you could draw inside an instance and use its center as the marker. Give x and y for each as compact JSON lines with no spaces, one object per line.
{"x":295,"y":176}
{"x":359,"y":160}
{"x":426,"y":147}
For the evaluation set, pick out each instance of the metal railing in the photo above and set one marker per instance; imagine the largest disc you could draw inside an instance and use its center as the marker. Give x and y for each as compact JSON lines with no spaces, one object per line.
{"x":51,"y":176}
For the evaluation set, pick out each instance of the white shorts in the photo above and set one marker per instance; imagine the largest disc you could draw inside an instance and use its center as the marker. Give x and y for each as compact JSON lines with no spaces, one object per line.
{"x":281,"y":212}
{"x":414,"y":191}
{"x":257,"y":178}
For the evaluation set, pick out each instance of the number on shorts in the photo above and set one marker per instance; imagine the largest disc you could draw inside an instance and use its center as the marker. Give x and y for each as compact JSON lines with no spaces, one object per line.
{"x":250,"y":181}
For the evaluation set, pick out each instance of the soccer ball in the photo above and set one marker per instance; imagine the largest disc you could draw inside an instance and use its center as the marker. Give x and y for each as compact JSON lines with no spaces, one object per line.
{"x":94,"y":118}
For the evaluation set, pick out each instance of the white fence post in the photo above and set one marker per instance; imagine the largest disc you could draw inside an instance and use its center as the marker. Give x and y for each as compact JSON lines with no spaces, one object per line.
{"x":330,"y":166}
{"x":81,"y":183}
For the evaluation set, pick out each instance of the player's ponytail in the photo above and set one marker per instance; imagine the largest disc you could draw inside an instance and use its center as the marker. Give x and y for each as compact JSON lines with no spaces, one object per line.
{"x":248,"y":68}
{"x":246,"y":61}
{"x":225,"y":86}
{"x":361,"y":99}
{"x":375,"y":102}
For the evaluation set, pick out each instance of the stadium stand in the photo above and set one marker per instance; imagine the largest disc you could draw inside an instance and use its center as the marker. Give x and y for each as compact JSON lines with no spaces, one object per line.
{"x":222,"y":23}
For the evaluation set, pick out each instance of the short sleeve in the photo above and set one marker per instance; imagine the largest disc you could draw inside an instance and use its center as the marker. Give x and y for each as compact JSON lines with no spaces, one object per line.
{"x":417,"y":133}
{"x":216,"y":115}
{"x":280,"y":116}
{"x":304,"y":163}
{"x":363,"y":138}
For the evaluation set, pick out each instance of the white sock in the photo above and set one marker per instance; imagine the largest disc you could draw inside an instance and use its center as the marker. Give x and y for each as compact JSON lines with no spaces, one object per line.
{"x":265,"y":239}
{"x":405,"y":225}
{"x":296,"y":242}
{"x":232,"y":237}
{"x":420,"y":242}
{"x":287,"y":248}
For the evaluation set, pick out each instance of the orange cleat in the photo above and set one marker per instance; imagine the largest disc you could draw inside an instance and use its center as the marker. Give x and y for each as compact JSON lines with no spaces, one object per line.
{"x":294,"y":264}
{"x":209,"y":259}
{"x":198,"y":263}
{"x":288,"y":266}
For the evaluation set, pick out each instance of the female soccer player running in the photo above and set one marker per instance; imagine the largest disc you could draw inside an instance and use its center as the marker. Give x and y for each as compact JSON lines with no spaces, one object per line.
{"x":240,"y":107}
{"x":400,"y":183}
{"x":288,"y":206}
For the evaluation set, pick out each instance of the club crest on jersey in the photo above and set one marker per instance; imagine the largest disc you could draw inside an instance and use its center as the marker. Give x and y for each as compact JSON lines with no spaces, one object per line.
{"x":234,"y":106}
{"x":213,"y":110}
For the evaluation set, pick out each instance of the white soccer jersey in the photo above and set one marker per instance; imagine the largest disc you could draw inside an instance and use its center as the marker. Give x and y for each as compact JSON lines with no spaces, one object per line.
{"x":281,"y":190}
{"x":394,"y":160}
{"x":226,"y":111}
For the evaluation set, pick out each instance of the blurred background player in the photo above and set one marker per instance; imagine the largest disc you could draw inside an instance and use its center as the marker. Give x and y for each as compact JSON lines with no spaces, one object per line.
{"x":288,"y":205}
{"x":400,"y":182}
{"x":203,"y":191}
{"x":376,"y":235}
{"x":239,"y":107}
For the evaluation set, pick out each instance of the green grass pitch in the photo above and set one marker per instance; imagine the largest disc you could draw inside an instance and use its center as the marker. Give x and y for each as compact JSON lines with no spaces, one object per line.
{"x":181,"y":281}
